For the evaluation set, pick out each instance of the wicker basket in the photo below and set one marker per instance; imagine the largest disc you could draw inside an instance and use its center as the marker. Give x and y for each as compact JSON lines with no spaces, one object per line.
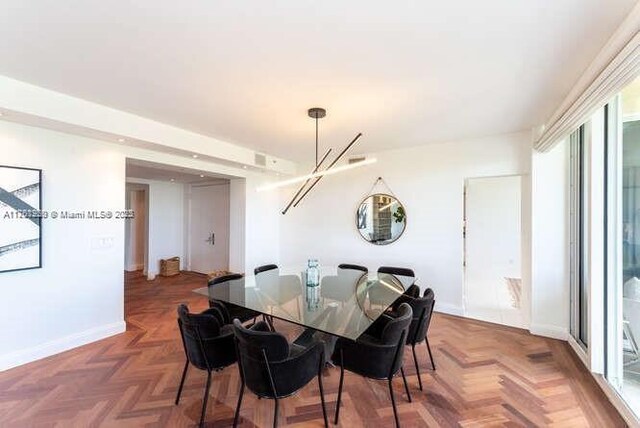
{"x":170,"y":267}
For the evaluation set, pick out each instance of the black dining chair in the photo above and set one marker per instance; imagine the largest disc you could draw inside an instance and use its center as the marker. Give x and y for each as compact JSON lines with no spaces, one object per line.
{"x":257,"y":271}
{"x":229,"y":310}
{"x":271,"y":367}
{"x":396,"y":271}
{"x":264,"y":268}
{"x":376,"y":354}
{"x":353,"y":267}
{"x":422,"y":311}
{"x":208,"y":345}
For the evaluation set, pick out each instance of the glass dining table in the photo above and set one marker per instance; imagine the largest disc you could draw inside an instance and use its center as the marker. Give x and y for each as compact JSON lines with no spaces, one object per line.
{"x":344,"y":304}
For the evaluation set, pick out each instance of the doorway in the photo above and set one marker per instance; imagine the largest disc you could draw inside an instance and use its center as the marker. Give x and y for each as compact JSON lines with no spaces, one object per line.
{"x":136,"y":227}
{"x":492,"y":250}
{"x":208,"y":234}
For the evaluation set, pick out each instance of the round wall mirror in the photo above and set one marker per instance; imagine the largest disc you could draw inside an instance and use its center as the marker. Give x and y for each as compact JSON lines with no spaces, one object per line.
{"x":381,"y":219}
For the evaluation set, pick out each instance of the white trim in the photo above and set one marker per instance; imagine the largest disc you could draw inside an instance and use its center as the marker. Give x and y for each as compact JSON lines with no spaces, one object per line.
{"x":594,"y":136}
{"x":448,"y":308}
{"x":548,"y":330}
{"x":579,"y":351}
{"x":56,"y":346}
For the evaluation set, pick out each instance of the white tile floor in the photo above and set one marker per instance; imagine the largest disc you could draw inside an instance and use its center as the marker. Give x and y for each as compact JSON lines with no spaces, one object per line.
{"x":493,"y":302}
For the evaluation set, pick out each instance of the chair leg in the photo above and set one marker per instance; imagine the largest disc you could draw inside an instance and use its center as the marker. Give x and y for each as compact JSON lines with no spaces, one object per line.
{"x":237,"y":415}
{"x":269,"y":321}
{"x":275,"y":416}
{"x":415,"y":361}
{"x":393,"y":403}
{"x":184,"y":376}
{"x":205,"y":399}
{"x":339,"y":390}
{"x":433,"y":365}
{"x":406,"y":386}
{"x":324,"y":409}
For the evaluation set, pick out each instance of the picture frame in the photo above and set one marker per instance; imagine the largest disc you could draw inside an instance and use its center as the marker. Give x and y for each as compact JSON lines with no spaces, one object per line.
{"x":20,"y":218}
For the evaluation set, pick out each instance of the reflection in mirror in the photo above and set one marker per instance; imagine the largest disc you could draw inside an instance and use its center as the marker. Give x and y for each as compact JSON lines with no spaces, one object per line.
{"x":381,"y":219}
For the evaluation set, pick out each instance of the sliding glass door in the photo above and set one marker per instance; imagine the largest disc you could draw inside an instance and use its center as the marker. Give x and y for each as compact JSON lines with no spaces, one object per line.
{"x":622,"y":284}
{"x":579,"y":238}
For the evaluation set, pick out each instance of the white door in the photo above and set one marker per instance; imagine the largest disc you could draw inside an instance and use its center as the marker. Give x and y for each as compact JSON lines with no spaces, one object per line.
{"x":493,"y":279}
{"x":209,"y":228}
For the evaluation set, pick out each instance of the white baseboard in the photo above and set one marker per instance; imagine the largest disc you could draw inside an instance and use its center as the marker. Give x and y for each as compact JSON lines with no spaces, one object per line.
{"x":448,"y":308}
{"x":24,"y":356}
{"x":551,"y":331}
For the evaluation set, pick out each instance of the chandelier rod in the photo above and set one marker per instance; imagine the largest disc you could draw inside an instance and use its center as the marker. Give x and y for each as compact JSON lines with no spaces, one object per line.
{"x":328,"y":168}
{"x":306,"y":182}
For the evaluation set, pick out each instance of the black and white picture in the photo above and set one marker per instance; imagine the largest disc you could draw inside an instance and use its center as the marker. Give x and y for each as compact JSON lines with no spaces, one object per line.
{"x":20,"y":228}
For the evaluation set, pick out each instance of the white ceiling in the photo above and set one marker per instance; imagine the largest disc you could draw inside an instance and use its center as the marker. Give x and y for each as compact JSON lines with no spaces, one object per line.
{"x":404,"y":73}
{"x":160,"y":172}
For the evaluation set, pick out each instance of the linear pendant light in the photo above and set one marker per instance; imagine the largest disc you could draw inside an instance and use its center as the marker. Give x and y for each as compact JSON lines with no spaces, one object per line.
{"x":310,"y":180}
{"x":308,"y":177}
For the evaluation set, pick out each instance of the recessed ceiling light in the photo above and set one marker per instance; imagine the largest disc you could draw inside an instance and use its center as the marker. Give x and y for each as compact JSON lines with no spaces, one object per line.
{"x":244,"y":166}
{"x":201,"y":175}
{"x":121,"y":140}
{"x":195,"y":156}
{"x":173,"y":179}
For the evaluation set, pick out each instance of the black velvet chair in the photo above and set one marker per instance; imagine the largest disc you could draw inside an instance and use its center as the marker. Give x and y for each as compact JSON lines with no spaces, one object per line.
{"x":264,"y":268}
{"x":376,"y":354}
{"x":396,"y":271}
{"x":422,"y":311}
{"x":229,"y":310}
{"x":353,"y":267}
{"x":208,"y":345}
{"x":271,"y":367}
{"x":257,"y":271}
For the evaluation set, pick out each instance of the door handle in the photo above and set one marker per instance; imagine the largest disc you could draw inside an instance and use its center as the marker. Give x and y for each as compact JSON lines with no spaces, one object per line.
{"x":211,"y":239}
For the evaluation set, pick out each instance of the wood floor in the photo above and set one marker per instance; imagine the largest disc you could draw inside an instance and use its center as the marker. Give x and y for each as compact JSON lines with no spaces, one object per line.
{"x":486,"y":376}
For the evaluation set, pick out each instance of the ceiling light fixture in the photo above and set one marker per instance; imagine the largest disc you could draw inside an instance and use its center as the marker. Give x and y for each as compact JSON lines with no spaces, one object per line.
{"x":316,"y":174}
{"x":121,"y":140}
{"x":195,"y":156}
{"x":310,"y":180}
{"x":201,"y":175}
{"x":172,"y":180}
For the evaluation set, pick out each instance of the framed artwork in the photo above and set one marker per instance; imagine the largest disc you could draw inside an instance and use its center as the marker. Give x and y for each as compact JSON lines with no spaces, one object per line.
{"x":20,"y":218}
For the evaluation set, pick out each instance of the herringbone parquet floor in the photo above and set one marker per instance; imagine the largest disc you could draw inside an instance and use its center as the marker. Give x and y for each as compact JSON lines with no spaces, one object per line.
{"x":486,"y":376}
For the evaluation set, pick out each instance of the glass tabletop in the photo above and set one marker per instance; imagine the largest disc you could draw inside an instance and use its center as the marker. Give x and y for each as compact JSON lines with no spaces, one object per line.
{"x":346,"y":302}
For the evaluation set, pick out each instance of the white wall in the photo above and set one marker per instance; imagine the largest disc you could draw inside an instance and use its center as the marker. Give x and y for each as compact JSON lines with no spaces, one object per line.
{"x":167,"y":223}
{"x":77,"y":296}
{"x":550,"y":243}
{"x":429,"y":181}
{"x":262,"y":220}
{"x":237,"y":218}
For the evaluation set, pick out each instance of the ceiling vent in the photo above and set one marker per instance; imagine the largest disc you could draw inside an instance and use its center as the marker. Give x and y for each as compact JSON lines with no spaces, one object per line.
{"x":357,"y":159}
{"x":260,"y":160}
